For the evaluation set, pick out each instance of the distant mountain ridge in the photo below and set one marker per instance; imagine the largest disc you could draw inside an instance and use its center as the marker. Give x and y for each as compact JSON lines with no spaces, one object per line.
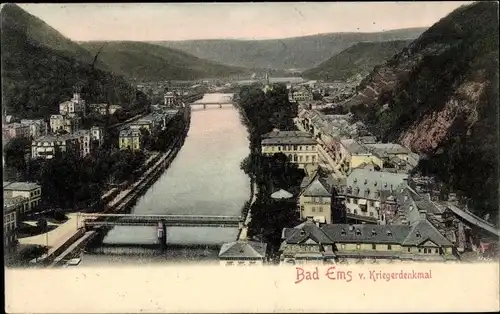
{"x":360,"y":59}
{"x":297,"y":52}
{"x":149,"y":62}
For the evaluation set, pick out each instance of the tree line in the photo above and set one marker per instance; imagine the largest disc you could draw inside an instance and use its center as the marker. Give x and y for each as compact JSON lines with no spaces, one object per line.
{"x":261,"y":113}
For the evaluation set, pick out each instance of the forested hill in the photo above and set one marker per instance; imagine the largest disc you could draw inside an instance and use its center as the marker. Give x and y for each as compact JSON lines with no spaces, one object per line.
{"x":41,"y":68}
{"x":148,"y":62}
{"x":299,"y":52}
{"x":360,"y":59}
{"x":439,"y":97}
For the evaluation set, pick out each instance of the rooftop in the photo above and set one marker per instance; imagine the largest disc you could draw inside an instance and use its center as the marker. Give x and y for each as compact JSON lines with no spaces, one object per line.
{"x":415,"y":234}
{"x":353,"y":147}
{"x":289,"y":140}
{"x":20,"y":186}
{"x":286,"y":134}
{"x":243,"y":249}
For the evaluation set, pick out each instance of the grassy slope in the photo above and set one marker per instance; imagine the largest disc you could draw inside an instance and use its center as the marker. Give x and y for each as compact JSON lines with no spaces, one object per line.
{"x":360,"y":58}
{"x":299,"y":52}
{"x":37,"y":74}
{"x":150,"y":62}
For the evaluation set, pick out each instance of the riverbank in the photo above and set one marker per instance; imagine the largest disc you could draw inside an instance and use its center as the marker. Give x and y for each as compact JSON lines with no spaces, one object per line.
{"x":63,"y":242}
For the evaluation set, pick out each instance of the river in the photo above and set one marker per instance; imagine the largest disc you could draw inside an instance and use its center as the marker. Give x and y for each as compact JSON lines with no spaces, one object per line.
{"x":204,"y":178}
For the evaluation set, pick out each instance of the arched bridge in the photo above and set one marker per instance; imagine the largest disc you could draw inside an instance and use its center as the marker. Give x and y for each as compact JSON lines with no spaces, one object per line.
{"x":100,"y":220}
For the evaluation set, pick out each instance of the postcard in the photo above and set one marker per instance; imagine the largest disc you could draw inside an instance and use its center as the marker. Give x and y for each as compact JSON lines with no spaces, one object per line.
{"x":250,"y":157}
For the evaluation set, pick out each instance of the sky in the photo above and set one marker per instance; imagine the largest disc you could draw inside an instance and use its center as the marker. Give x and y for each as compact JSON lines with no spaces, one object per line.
{"x":187,"y":21}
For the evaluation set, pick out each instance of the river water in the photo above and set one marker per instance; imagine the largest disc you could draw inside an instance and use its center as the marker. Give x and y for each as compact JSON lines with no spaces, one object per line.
{"x":204,"y":178}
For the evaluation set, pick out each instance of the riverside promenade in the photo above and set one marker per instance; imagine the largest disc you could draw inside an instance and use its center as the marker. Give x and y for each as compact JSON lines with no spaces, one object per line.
{"x":61,"y":241}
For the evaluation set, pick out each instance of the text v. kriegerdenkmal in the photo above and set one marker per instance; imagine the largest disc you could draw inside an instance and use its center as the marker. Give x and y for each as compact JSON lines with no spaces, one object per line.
{"x":339,"y":274}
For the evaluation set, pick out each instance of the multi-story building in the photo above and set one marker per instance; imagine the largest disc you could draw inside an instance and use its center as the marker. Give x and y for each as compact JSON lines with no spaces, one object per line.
{"x":69,"y":124}
{"x":75,"y":106}
{"x":16,"y":130}
{"x":47,"y":146}
{"x":9,"y":227}
{"x":315,"y":199}
{"x":241,"y":253}
{"x":37,"y":127}
{"x":30,"y":191}
{"x":84,"y":138}
{"x":97,"y":134}
{"x":350,"y":154}
{"x":104,"y":109}
{"x":130,"y":139}
{"x":169,"y":99}
{"x":366,"y":190}
{"x":344,"y":243}
{"x":299,"y":147}
{"x":301,"y":94}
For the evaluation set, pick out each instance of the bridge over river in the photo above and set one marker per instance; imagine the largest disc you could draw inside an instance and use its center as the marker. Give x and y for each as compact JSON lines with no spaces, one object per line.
{"x":204,"y":179}
{"x":100,"y":220}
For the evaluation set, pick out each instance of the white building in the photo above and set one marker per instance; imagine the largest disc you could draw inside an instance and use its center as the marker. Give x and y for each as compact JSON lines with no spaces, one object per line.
{"x":31,"y":192}
{"x":46,"y":146}
{"x":242,"y":253}
{"x":67,"y":123}
{"x":73,"y":107}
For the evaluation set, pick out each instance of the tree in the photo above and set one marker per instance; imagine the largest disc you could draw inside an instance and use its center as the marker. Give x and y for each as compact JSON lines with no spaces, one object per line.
{"x":15,"y":153}
{"x":42,"y":224}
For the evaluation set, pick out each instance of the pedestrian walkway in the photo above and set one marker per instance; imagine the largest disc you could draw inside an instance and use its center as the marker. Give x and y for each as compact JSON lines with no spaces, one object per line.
{"x":57,"y":237}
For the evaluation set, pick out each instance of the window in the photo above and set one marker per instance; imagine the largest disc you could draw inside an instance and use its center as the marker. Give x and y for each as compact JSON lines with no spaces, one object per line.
{"x":419,"y":250}
{"x":389,"y":247}
{"x":374,"y":246}
{"x":294,"y":157}
{"x":314,"y":158}
{"x":437,"y":251}
{"x":279,"y":148}
{"x":409,"y":249}
{"x":307,"y":158}
{"x":300,"y":158}
{"x":314,"y":209}
{"x":371,"y":214}
{"x":355,"y":201}
{"x":425,"y":251}
{"x":348,"y":200}
{"x":372,"y":203}
{"x":302,"y":208}
{"x":320,"y":209}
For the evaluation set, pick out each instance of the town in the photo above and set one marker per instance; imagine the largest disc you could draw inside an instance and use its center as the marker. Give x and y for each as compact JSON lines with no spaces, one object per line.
{"x":145,"y":151}
{"x":357,"y":201}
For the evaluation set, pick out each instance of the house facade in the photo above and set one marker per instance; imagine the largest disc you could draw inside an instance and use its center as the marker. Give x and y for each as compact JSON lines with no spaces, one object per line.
{"x":315,"y":198}
{"x":9,"y":227}
{"x":366,"y":190}
{"x":299,"y":147}
{"x":67,"y":123}
{"x":300,"y":94}
{"x":75,"y":106}
{"x":243,"y":253}
{"x":31,"y":192}
{"x":47,"y":146}
{"x":344,"y":243}
{"x":16,"y":130}
{"x":130,"y":139}
{"x":37,"y":127}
